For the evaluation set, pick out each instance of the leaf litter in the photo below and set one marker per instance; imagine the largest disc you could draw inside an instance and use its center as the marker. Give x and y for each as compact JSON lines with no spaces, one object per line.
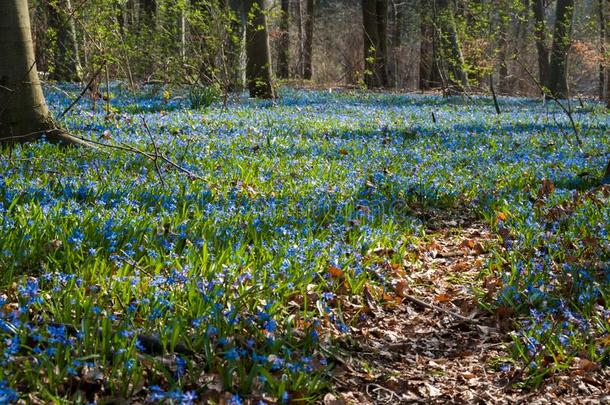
{"x":431,"y":342}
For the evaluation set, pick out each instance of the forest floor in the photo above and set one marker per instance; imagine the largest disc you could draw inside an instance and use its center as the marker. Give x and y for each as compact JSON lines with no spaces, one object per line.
{"x":438,"y":345}
{"x":335,"y":246}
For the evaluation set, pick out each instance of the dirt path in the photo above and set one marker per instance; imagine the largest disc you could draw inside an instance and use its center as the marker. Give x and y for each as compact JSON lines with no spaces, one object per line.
{"x":411,"y":353}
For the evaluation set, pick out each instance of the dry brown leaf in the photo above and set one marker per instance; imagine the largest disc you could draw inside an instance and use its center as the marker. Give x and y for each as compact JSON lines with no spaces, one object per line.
{"x":335,"y":272}
{"x":584,"y":365}
{"x":443,"y":298}
{"x":401,"y":288}
{"x":461,"y":266}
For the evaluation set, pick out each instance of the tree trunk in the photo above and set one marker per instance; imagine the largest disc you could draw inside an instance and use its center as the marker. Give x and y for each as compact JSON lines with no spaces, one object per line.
{"x":504,"y":27}
{"x":382,"y":27}
{"x":308,"y":54}
{"x":541,"y":42}
{"x":428,"y":68}
{"x":605,"y":27}
{"x":394,"y":72}
{"x":299,"y":22}
{"x":374,"y":21}
{"x":258,"y":69}
{"x":562,"y":38}
{"x":284,"y":43}
{"x":66,"y":61}
{"x":149,"y":11}
{"x":24,"y":115}
{"x":237,"y":58}
{"x":602,"y":49}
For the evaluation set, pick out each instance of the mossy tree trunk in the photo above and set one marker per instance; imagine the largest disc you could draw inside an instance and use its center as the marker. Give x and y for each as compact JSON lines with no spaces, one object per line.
{"x":562,"y":38}
{"x":258,"y":69}
{"x":24,"y":115}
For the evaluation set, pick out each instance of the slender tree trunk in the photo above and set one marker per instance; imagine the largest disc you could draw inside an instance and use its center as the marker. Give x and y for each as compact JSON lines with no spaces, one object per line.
{"x":607,"y":32}
{"x":428,"y":69}
{"x":602,"y":49}
{"x":562,"y":38}
{"x":284,"y":43}
{"x":504,"y":26}
{"x":398,"y":12}
{"x":541,"y":42}
{"x":308,"y":55}
{"x":258,"y":69}
{"x":299,"y":22}
{"x":522,"y":27}
{"x":24,"y":115}
{"x":66,"y":61}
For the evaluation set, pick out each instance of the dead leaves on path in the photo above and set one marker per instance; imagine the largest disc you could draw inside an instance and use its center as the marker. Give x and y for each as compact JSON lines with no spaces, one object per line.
{"x":404,"y":353}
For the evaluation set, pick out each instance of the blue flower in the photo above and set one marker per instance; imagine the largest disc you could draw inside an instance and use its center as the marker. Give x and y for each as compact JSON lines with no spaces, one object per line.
{"x":180,"y":367}
{"x":7,"y":394}
{"x":231,"y":354}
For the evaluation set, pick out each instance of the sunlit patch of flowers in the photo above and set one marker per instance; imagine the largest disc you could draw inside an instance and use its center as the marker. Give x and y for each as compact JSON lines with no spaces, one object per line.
{"x":102,"y":253}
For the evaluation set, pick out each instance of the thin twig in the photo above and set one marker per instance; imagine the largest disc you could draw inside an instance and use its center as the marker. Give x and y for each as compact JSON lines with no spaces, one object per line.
{"x":157,"y":154}
{"x":82,"y":93}
{"x":550,"y":94}
{"x":437,"y":308}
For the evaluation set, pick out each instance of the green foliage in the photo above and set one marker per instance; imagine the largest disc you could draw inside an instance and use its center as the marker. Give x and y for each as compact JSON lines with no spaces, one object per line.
{"x":203,"y":97}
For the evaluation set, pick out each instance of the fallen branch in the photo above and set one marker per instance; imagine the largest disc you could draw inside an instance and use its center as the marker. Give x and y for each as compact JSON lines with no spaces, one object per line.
{"x":437,"y":308}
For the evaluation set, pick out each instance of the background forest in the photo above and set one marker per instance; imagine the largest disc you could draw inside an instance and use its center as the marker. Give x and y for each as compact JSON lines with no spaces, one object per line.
{"x":412,"y":45}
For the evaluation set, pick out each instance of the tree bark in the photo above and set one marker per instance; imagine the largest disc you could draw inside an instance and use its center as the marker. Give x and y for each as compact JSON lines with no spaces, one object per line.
{"x":299,"y":22}
{"x":24,"y":116}
{"x":258,"y":69}
{"x":602,"y":49}
{"x":308,"y":54}
{"x":394,"y":72}
{"x":374,"y":21}
{"x":237,"y":58}
{"x":605,"y":23}
{"x":428,"y":68}
{"x":541,"y":42}
{"x":149,"y":10}
{"x":382,"y":55}
{"x":504,"y":26}
{"x":562,"y":38}
{"x":66,"y":61}
{"x":284,"y":43}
